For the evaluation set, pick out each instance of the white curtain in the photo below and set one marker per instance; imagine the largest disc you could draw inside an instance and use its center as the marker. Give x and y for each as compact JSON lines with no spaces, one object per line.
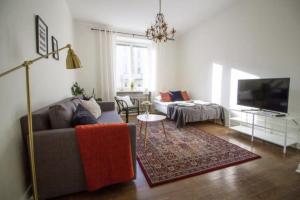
{"x":105,"y":79}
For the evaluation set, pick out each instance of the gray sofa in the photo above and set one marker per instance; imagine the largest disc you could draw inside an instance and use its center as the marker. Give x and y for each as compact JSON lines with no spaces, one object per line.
{"x":58,"y":165}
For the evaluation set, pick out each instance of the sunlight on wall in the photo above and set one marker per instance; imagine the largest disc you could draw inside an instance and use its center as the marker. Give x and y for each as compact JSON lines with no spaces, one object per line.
{"x":235,"y":76}
{"x":216,"y":83}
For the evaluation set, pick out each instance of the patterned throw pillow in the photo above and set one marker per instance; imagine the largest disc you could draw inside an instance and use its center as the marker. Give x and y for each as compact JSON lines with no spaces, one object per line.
{"x":176,"y":96}
{"x":185,"y":96}
{"x":165,"y":97}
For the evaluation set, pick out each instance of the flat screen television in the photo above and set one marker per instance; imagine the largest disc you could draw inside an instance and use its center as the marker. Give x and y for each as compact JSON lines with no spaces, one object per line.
{"x":267,"y":94}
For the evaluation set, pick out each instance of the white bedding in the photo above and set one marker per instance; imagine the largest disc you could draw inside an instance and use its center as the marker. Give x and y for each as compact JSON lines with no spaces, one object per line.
{"x":163,"y":106}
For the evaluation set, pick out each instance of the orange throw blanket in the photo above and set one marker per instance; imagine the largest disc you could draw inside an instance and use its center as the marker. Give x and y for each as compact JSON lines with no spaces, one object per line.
{"x":105,"y":152}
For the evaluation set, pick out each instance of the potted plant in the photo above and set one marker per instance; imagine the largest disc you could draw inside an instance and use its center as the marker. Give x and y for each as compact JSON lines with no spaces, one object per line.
{"x":77,"y":90}
{"x":132,"y":85}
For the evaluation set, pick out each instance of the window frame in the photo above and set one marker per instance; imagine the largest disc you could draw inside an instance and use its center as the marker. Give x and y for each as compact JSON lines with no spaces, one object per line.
{"x":132,"y":43}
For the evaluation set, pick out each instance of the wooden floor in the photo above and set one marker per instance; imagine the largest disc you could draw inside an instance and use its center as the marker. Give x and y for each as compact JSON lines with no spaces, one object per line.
{"x":271,"y":177}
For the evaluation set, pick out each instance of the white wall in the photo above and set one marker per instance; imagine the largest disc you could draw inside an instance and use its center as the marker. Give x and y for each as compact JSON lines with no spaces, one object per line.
{"x":86,"y":44}
{"x":50,"y":80}
{"x":167,"y":67}
{"x":253,"y":36}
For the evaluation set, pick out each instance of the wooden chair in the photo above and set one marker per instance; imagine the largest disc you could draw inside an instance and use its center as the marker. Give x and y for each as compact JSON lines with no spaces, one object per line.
{"x":124,"y":108}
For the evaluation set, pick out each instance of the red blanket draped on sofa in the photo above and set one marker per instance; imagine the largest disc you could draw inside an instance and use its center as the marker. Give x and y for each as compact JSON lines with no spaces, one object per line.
{"x":105,"y":152}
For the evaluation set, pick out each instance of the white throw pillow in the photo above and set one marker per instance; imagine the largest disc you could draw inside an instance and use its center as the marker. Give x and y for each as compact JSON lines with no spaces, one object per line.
{"x":158,"y":98}
{"x":126,"y":99}
{"x":92,"y":106}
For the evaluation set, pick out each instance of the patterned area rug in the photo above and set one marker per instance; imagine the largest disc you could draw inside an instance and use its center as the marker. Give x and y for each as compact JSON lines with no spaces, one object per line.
{"x":184,"y":153}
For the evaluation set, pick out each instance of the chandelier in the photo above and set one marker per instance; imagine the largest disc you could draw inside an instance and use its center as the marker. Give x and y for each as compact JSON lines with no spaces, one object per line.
{"x":159,"y":32}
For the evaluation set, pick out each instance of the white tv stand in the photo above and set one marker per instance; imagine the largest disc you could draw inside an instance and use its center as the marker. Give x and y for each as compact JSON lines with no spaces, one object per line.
{"x":283,"y":130}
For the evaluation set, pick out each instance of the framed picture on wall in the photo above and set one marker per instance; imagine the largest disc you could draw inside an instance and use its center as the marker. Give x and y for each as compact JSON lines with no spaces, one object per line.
{"x":41,"y":30}
{"x":55,"y":48}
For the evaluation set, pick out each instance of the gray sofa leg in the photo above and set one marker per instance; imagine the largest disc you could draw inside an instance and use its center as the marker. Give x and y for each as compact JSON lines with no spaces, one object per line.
{"x":126,"y":116}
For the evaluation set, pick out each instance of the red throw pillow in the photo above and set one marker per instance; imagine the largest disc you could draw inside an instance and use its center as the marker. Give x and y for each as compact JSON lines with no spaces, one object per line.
{"x":185,"y":96}
{"x":165,"y":97}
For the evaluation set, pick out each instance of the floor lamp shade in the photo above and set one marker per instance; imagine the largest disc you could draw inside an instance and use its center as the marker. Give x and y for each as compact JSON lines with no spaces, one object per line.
{"x":72,"y":60}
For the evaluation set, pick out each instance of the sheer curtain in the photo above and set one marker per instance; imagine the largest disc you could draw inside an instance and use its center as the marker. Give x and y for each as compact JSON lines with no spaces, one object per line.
{"x":106,"y":67}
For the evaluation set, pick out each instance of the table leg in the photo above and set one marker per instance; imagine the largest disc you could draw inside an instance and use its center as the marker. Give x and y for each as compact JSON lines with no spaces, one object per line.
{"x":141,"y":127}
{"x":285,"y":136}
{"x":163,"y":125}
{"x":252,"y":135}
{"x":145,"y":141}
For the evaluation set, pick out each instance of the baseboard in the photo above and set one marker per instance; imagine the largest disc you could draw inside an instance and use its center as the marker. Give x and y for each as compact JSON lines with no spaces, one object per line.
{"x":27,"y":194}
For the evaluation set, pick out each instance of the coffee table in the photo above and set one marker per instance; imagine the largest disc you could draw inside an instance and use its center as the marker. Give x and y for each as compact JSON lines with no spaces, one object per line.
{"x":150,"y":118}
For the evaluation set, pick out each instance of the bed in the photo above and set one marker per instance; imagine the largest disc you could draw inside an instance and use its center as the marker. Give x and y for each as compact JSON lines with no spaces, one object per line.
{"x":183,"y":112}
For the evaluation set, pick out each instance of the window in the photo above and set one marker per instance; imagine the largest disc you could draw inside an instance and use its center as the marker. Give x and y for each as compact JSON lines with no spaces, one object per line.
{"x":133,"y":64}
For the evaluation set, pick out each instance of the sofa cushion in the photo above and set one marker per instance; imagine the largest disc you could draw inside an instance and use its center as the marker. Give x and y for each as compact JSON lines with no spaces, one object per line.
{"x":92,"y":106}
{"x":61,"y":114}
{"x":110,"y":117}
{"x":76,"y":101}
{"x":82,"y":117}
{"x":40,"y":121}
{"x":176,"y":96}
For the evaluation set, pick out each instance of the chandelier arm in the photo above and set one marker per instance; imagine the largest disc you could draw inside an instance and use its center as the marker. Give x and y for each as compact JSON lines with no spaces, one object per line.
{"x":159,"y":6}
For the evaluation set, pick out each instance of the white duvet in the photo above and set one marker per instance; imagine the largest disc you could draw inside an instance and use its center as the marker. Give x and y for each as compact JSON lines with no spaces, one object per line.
{"x":163,"y":106}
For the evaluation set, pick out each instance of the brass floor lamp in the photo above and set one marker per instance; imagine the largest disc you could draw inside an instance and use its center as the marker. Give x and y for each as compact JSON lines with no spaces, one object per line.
{"x":72,"y":62}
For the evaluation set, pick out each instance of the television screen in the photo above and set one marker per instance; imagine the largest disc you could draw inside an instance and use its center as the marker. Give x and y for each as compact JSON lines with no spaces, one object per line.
{"x":269,"y":94}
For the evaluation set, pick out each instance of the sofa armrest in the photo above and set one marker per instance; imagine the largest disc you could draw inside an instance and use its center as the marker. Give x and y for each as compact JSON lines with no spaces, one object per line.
{"x":58,"y":164}
{"x":107,"y":106}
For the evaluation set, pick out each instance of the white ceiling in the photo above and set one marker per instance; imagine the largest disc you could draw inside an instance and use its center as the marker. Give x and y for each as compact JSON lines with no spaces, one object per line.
{"x":137,"y":15}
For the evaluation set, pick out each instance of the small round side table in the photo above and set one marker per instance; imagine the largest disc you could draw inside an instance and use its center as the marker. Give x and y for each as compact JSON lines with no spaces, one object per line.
{"x":150,"y":118}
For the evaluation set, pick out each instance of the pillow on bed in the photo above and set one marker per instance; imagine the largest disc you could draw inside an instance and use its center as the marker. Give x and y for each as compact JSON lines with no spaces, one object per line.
{"x":158,"y":98}
{"x":165,"y":97}
{"x":185,"y":96}
{"x":176,"y":96}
